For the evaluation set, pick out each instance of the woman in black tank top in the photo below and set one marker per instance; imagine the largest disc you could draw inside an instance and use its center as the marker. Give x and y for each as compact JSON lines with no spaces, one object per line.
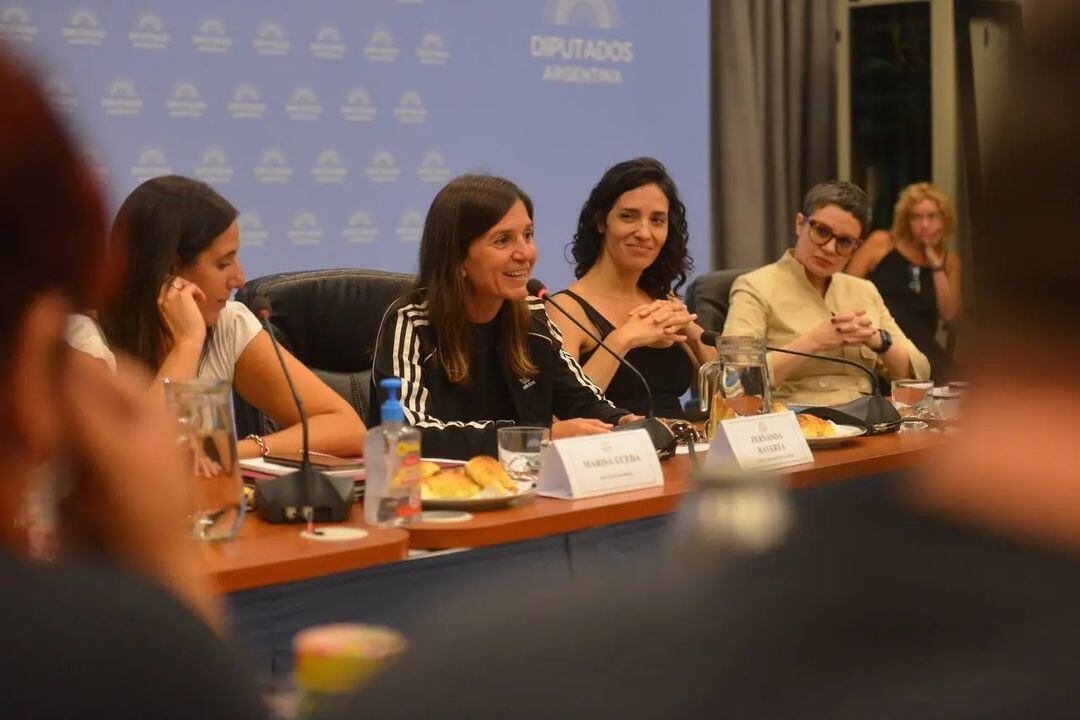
{"x":630,"y":256}
{"x":915,"y":272}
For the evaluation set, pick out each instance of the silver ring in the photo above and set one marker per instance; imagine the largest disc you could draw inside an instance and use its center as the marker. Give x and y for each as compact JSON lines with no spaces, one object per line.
{"x":177,"y":284}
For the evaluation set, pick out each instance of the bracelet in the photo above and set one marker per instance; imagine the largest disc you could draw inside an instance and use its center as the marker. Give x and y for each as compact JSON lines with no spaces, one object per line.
{"x":264,"y":449}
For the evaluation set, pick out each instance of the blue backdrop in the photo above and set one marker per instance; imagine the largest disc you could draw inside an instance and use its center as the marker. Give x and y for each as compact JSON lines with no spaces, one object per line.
{"x":332,"y":123}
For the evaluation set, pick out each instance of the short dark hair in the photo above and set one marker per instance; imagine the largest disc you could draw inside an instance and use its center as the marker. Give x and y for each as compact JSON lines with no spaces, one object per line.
{"x":846,"y":196}
{"x":466,"y":208}
{"x":163,"y":219}
{"x":52,"y":215}
{"x":673,"y":265}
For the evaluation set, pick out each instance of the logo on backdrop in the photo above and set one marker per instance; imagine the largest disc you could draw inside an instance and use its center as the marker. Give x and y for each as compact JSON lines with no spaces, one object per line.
{"x":185,"y":101}
{"x":61,"y":95}
{"x":582,"y":60}
{"x":304,"y":104}
{"x":381,"y":48}
{"x":599,"y":14}
{"x":213,"y":166}
{"x":410,"y":227}
{"x":329,"y":168}
{"x":247,"y":104}
{"x":271,"y":39}
{"x":360,"y":228}
{"x":16,"y":24}
{"x":212,"y":36}
{"x":273,"y":167}
{"x":433,"y":168}
{"x":121,"y":99}
{"x":251,"y":229}
{"x":327,"y":44}
{"x":358,"y":106}
{"x":148,"y":33}
{"x":83,"y":29}
{"x":305,"y":230}
{"x":94,"y":159}
{"x":432,"y":51}
{"x":150,"y":163}
{"x":383,"y":169}
{"x":410,"y":108}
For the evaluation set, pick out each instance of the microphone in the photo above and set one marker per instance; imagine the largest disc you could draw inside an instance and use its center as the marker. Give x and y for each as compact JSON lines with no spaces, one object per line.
{"x":881,"y":416}
{"x":662,"y":438}
{"x":305,"y":495}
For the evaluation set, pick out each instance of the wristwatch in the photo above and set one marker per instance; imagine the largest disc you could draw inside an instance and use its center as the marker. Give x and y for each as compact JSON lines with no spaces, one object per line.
{"x":886,"y":342}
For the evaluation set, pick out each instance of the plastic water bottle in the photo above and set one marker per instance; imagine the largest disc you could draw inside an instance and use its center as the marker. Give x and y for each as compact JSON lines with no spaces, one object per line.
{"x":392,"y":465}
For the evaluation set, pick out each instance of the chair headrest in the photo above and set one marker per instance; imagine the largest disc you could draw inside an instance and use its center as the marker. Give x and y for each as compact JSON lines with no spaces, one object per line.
{"x":329,"y":318}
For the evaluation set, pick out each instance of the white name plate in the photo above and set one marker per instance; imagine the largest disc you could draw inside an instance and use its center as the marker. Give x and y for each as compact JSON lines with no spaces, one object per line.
{"x":593,"y":465}
{"x":760,"y":442}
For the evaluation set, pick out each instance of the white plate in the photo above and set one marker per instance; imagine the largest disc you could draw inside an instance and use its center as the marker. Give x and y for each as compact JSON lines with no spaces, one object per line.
{"x":480,"y":502}
{"x":843,"y":434}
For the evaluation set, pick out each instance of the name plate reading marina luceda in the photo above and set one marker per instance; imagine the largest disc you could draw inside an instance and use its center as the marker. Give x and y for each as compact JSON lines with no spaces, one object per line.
{"x":760,"y":442}
{"x":598,"y":465}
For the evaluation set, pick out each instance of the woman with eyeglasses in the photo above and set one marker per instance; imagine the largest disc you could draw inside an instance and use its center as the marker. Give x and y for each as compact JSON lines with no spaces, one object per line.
{"x":914,"y":270}
{"x":803,"y":302}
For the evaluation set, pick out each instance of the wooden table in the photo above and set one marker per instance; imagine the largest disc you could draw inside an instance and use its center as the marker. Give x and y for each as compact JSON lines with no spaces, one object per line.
{"x":547,"y":516}
{"x":265,"y":554}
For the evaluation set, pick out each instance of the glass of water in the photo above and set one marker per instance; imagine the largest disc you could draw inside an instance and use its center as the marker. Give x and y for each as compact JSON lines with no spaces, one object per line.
{"x":913,"y":399}
{"x":519,"y":450}
{"x":204,"y":415}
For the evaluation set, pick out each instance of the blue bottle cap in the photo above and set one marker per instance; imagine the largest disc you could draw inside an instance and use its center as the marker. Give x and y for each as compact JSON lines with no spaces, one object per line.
{"x":391,"y":410}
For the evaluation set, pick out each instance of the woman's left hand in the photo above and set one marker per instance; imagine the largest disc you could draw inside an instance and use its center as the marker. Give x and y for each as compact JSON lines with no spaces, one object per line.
{"x":673,"y":314}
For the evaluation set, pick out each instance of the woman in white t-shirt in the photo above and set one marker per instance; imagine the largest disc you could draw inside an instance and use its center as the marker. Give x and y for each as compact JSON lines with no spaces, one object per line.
{"x":173,"y":313}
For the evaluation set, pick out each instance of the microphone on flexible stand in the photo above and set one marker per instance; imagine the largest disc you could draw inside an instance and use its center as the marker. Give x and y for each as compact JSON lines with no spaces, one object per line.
{"x":881,"y":416}
{"x":305,"y":495}
{"x":662,"y":438}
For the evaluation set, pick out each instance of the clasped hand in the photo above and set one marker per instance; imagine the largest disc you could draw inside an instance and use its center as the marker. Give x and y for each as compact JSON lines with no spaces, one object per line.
{"x":659,"y":324}
{"x":845,"y":329}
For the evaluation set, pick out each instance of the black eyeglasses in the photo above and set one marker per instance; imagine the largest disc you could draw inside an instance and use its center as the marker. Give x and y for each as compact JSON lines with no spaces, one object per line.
{"x":820,"y":234}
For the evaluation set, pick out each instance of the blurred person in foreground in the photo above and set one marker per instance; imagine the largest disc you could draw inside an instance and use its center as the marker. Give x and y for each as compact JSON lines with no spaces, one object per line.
{"x":103,"y":631}
{"x":952,"y":593}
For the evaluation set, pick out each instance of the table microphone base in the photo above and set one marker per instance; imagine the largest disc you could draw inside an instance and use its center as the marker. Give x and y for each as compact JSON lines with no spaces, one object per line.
{"x":662,"y":438}
{"x":282,"y":499}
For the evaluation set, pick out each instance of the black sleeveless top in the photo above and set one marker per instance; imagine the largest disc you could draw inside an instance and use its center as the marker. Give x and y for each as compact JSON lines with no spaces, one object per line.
{"x":668,"y":371}
{"x":908,"y":291}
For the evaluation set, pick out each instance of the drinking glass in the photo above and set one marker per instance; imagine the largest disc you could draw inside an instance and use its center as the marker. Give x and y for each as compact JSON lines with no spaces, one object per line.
{"x":519,"y":450}
{"x":205,"y":420}
{"x":913,"y":399}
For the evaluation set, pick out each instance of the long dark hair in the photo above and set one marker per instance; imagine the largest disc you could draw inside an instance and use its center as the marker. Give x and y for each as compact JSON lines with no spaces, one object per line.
{"x":673,"y":265}
{"x":466,"y":208}
{"x":166,"y":222}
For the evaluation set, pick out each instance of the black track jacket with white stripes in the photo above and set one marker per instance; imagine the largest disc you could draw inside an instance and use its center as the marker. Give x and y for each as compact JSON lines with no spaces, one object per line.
{"x":406,"y":348}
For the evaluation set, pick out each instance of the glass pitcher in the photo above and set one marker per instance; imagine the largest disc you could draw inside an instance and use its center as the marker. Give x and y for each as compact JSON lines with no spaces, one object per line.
{"x":737,"y":382}
{"x":205,"y":431}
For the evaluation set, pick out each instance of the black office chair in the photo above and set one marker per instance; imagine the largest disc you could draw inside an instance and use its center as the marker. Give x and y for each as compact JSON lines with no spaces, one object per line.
{"x":708,"y":296}
{"x":329,"y":320}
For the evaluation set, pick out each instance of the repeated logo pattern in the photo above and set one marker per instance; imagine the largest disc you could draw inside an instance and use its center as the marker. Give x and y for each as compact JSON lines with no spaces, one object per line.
{"x":329,"y":125}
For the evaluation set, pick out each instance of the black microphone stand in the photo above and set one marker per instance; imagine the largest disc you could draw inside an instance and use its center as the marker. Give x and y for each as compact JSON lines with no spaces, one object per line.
{"x":306,"y":495}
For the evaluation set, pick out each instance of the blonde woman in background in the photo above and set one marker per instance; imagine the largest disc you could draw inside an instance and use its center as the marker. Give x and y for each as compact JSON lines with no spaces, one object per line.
{"x":915,"y":270}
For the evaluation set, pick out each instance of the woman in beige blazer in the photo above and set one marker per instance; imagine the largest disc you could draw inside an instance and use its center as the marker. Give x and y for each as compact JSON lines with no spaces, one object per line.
{"x":803,"y":302}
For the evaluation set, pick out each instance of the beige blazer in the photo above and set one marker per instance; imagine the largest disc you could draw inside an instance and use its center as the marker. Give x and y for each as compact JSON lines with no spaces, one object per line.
{"x":778,"y":302}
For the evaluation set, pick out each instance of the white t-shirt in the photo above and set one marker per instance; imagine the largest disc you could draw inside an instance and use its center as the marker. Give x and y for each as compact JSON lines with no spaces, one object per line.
{"x":85,"y":335}
{"x":236,"y":326}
